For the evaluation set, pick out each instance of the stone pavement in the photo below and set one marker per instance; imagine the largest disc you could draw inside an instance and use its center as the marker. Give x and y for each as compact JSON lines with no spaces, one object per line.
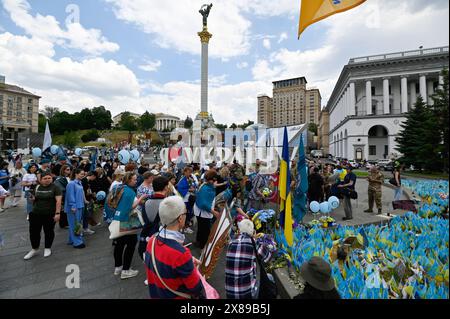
{"x":42,"y":277}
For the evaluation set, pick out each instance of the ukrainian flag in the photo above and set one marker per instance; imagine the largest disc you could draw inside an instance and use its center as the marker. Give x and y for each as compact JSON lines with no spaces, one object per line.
{"x":285,"y":191}
{"x":315,"y":10}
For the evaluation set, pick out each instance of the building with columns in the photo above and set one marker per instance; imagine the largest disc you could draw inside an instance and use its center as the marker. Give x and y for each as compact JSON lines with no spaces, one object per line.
{"x":167,"y":122}
{"x":372,"y":95}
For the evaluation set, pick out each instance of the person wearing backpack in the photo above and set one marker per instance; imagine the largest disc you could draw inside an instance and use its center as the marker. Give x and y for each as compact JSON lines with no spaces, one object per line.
{"x":151,"y":212}
{"x":256,"y":197}
{"x":347,"y":189}
{"x":125,"y":245}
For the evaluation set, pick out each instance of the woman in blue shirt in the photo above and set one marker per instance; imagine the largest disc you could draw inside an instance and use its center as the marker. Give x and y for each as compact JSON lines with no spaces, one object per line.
{"x":125,"y":245}
{"x":74,"y":206}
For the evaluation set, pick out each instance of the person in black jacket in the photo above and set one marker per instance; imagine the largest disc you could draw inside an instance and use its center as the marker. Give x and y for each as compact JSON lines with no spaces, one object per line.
{"x":61,"y":181}
{"x":319,"y":281}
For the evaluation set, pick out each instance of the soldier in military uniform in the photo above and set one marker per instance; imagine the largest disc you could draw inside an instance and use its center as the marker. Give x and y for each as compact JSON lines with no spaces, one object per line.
{"x":375,"y":179}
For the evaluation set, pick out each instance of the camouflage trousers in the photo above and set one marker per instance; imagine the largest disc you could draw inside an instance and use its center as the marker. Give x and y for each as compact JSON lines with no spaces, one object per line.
{"x":374,"y":195}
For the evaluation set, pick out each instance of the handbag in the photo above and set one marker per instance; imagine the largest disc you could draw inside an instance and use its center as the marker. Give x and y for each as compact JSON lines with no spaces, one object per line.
{"x":134,"y":222}
{"x":392,"y":181}
{"x":211,"y":292}
{"x":267,"y":288}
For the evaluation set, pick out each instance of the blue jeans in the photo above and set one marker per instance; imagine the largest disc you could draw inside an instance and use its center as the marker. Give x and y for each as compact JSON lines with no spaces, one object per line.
{"x":73,"y":219}
{"x":397,"y":193}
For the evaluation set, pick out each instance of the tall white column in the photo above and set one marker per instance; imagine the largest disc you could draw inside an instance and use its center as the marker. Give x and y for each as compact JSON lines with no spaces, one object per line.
{"x":441,"y":82}
{"x":423,"y":87}
{"x":404,"y":89}
{"x":352,"y":99}
{"x":347,"y":103}
{"x":386,"y":96}
{"x":368,"y":97}
{"x":413,"y":95}
{"x":430,"y":92}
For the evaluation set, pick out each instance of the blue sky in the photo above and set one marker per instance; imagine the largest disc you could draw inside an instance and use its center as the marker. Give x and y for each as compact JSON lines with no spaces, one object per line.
{"x":145,"y":54}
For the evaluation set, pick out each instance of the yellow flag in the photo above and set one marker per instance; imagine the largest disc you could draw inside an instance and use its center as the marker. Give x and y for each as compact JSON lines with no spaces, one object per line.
{"x":316,"y":10}
{"x":288,"y":221}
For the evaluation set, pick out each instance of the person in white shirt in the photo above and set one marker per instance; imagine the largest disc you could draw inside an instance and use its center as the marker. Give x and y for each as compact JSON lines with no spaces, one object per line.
{"x":29,"y":181}
{"x":15,"y":182}
{"x":117,"y":176}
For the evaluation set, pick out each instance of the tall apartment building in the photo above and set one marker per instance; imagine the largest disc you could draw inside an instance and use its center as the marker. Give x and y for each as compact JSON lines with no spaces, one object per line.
{"x":265,"y":110}
{"x":19,"y":112}
{"x":292,"y":104}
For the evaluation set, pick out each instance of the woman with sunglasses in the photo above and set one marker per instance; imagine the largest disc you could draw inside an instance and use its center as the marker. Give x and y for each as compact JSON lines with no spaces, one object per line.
{"x":62,"y":181}
{"x":46,"y":212}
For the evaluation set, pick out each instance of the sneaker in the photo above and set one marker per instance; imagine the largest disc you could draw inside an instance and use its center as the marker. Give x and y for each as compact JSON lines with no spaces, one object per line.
{"x":117,"y":270}
{"x":88,"y":231}
{"x":368,"y":211}
{"x":32,"y":253}
{"x":379,"y":212}
{"x":128,"y":273}
{"x":80,"y":246}
{"x":146,"y":282}
{"x":2,"y":210}
{"x":346,"y":218}
{"x":188,"y":231}
{"x":47,"y":252}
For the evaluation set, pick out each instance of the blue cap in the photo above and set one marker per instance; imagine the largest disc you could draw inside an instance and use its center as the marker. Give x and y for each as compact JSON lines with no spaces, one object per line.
{"x":45,"y":161}
{"x":62,"y":158}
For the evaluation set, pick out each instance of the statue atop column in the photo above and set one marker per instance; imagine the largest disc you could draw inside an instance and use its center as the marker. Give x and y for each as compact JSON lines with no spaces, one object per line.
{"x":204,"y":11}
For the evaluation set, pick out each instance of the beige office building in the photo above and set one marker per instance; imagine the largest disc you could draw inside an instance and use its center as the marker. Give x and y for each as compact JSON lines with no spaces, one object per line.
{"x":19,"y":112}
{"x":292,"y":104}
{"x":323,"y":142}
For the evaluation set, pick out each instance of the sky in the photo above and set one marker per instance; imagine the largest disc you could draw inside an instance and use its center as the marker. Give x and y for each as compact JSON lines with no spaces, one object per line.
{"x":144,"y":55}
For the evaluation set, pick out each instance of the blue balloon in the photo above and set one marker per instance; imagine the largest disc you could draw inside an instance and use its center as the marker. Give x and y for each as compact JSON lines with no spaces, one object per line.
{"x":334,"y":202}
{"x":54,"y":149}
{"x":101,"y":195}
{"x":325,"y":207}
{"x":314,"y":206}
{"x":134,"y":155}
{"x":36,"y":152}
{"x":78,"y":151}
{"x":124,"y":156}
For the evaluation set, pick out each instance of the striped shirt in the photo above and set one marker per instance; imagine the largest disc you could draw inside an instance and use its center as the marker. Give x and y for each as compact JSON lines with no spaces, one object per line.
{"x":176,"y":268}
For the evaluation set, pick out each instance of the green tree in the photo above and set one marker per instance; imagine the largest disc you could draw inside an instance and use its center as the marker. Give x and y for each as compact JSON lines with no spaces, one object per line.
{"x":50,"y":112}
{"x":41,"y":123}
{"x":417,"y":141}
{"x":128,"y":122}
{"x":102,"y":119}
{"x":245,"y":125}
{"x":147,"y":121}
{"x":221,"y":126}
{"x":70,"y":139}
{"x":86,"y":119}
{"x":233,"y":126}
{"x":441,"y":119}
{"x":188,"y":122}
{"x":312,"y":127}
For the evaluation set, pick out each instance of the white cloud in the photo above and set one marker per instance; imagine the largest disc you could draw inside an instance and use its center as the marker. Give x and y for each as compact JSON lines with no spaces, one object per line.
{"x":151,"y":66}
{"x":283,"y":36}
{"x":47,"y":28}
{"x":242,"y":65}
{"x":266,"y":44}
{"x":175,"y":24}
{"x":30,"y":63}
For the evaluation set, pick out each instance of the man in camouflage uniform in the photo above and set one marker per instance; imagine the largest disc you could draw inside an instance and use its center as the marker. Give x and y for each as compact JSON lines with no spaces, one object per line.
{"x":375,"y":179}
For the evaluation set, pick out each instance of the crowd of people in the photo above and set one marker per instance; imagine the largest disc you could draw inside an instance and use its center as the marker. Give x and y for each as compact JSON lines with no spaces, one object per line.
{"x":173,"y":201}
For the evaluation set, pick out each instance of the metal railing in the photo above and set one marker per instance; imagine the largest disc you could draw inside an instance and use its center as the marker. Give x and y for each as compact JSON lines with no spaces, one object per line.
{"x":397,"y":55}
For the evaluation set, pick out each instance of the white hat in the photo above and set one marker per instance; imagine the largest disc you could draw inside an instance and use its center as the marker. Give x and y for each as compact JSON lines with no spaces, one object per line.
{"x":170,"y":209}
{"x":154,"y":172}
{"x":246,"y":226}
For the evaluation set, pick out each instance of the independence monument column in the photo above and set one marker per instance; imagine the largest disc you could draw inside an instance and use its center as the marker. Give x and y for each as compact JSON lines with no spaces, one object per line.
{"x":204,"y":38}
